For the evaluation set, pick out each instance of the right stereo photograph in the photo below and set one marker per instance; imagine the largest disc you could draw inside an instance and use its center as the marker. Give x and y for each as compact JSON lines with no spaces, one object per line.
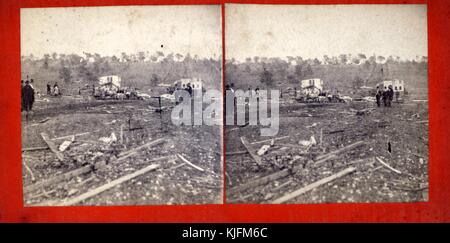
{"x":326,"y":103}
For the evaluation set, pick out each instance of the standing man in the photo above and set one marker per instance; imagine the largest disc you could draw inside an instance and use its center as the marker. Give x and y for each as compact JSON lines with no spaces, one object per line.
{"x":385,"y":95}
{"x":55,"y":89}
{"x":49,"y":89}
{"x":391,"y":95}
{"x":378,"y":96}
{"x":27,"y":98}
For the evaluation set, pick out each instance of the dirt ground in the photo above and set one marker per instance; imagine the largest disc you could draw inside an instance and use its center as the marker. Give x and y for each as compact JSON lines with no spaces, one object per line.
{"x":404,"y":126}
{"x":174,"y":182}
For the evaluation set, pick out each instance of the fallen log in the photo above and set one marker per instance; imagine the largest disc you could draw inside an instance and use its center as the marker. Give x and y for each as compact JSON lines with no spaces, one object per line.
{"x":52,"y":146}
{"x":189,"y":163}
{"x":285,"y":172}
{"x":309,"y":187}
{"x":252,"y":154}
{"x":58,"y":178}
{"x":109,"y":185}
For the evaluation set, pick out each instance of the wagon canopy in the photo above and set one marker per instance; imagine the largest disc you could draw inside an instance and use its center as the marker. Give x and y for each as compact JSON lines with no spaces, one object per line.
{"x":111,"y":80}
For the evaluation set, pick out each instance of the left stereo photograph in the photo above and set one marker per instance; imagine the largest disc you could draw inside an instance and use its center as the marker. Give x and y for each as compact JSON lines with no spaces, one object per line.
{"x":121,"y":105}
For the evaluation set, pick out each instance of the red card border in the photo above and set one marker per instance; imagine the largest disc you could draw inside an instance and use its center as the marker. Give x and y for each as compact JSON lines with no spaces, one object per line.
{"x":436,"y":210}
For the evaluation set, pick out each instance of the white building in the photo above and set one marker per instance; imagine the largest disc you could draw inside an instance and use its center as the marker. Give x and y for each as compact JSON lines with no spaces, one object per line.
{"x":397,"y":85}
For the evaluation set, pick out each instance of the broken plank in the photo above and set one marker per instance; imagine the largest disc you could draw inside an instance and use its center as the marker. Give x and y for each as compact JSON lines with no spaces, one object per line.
{"x":52,"y":146}
{"x":269,"y":140}
{"x":309,"y":187}
{"x":149,"y":144}
{"x":322,"y":158}
{"x":70,"y":136}
{"x":189,"y":163}
{"x":252,"y":154}
{"x":34,"y":149}
{"x":388,"y":166}
{"x":58,"y":178}
{"x":109,"y":185}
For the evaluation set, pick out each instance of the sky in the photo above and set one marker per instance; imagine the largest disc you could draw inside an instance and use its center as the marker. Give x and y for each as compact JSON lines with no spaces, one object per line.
{"x":113,"y":30}
{"x":318,"y":30}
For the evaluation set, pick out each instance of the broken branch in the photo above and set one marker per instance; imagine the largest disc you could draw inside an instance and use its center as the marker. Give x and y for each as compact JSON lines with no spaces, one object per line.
{"x":189,"y":163}
{"x":309,"y":187}
{"x":388,"y":166}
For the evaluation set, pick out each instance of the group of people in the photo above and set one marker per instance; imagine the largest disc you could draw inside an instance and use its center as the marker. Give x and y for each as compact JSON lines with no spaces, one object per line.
{"x":384,"y":95}
{"x":28,"y":93}
{"x":53,"y":91}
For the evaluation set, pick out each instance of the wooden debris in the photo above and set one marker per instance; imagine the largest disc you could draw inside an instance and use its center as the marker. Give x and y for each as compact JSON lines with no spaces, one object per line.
{"x":149,"y":144}
{"x":109,"y":185}
{"x":44,"y":120}
{"x":70,"y":136}
{"x":58,"y":178}
{"x":52,"y":146}
{"x":285,"y":172}
{"x":309,"y":187}
{"x":189,"y":163}
{"x":269,"y":140}
{"x":34,"y":149}
{"x":322,"y":158}
{"x":388,"y":166}
{"x":263,"y":150}
{"x":336,"y":131}
{"x":29,"y":171}
{"x":251,"y":152}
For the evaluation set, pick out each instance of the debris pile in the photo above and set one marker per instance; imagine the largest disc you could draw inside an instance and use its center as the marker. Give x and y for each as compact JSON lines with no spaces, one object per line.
{"x":343,"y":152}
{"x":118,"y":153}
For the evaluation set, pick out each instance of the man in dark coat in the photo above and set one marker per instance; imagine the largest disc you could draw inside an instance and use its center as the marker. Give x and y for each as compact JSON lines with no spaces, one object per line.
{"x":391,"y":95}
{"x":27,"y":97}
{"x":378,"y":96}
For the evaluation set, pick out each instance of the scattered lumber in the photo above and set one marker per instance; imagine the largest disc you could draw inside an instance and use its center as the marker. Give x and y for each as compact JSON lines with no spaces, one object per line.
{"x":52,"y":146}
{"x":70,"y":136}
{"x":109,"y":185}
{"x":251,"y":152}
{"x":286,"y":172}
{"x":34,"y":149}
{"x":149,"y":144}
{"x":323,"y":158}
{"x":58,"y":178}
{"x":388,"y":166}
{"x":269,"y":140}
{"x":189,"y":163}
{"x":309,"y":187}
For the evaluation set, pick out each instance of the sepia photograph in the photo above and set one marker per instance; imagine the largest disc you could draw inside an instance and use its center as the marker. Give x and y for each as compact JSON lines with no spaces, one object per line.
{"x":99,"y":105}
{"x":347,"y":116}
